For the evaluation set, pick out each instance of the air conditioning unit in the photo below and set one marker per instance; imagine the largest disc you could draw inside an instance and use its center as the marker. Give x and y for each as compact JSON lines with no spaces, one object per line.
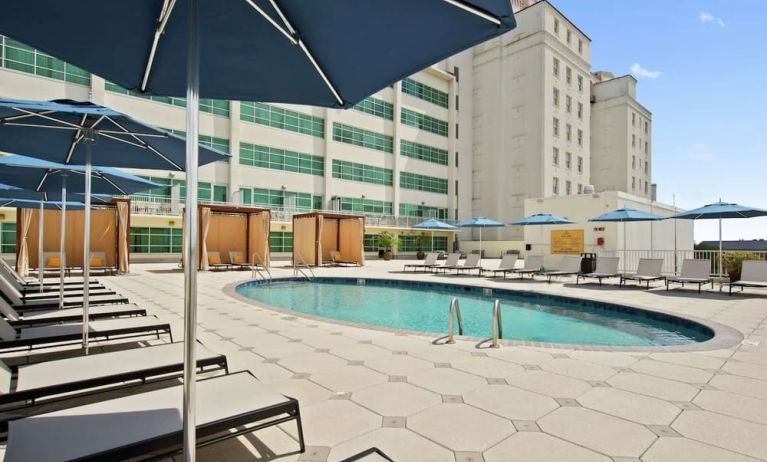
{"x":588,"y":189}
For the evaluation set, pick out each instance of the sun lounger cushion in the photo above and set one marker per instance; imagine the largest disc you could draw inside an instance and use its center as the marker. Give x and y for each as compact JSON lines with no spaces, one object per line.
{"x":238,"y":259}
{"x":97,"y":262}
{"x":53,"y":262}
{"x":214,"y":260}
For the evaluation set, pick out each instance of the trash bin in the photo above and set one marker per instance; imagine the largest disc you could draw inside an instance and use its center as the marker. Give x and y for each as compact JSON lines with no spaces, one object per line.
{"x":588,"y":262}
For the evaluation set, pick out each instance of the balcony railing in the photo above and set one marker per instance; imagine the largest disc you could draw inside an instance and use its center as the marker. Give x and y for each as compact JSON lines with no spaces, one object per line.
{"x":672,"y":260}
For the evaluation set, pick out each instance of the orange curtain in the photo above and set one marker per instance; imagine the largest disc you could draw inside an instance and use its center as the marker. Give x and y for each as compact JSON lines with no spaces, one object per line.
{"x":349,"y":239}
{"x":320,"y":223}
{"x":123,"y":214}
{"x":304,"y":240}
{"x":328,"y":238}
{"x":258,"y":238}
{"x":204,"y":225}
{"x":361,"y":221}
{"x":22,"y":256}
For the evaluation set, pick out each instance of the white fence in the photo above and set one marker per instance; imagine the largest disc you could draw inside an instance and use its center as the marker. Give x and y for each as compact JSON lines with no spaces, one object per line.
{"x":672,"y":260}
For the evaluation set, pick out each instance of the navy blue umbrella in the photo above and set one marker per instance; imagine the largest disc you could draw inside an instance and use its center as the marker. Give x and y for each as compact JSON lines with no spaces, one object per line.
{"x":46,"y":205}
{"x":327,"y":53}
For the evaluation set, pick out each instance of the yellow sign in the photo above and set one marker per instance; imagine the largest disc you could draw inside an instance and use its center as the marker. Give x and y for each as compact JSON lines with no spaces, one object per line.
{"x":567,"y":241}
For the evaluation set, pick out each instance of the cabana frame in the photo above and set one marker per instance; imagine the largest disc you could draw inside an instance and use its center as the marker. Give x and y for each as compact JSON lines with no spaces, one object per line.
{"x":317,"y":233}
{"x":252,"y":234}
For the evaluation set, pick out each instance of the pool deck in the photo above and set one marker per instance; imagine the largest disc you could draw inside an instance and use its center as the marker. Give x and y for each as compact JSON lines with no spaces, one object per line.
{"x":418,"y":401}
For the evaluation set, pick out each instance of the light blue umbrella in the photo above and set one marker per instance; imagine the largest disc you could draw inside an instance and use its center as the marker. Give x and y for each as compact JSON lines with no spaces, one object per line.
{"x":319,"y":53}
{"x":434,"y":224}
{"x":720,"y":210}
{"x":625,"y":215}
{"x":481,"y":223}
{"x":541,"y":219}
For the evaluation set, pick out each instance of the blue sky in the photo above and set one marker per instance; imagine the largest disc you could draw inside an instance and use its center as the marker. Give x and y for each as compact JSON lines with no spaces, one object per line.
{"x":702,"y":69}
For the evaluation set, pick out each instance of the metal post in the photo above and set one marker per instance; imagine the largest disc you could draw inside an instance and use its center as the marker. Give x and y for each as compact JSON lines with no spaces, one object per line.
{"x":190,"y":267}
{"x":40,"y":261}
{"x":63,"y":239}
{"x":497,"y":328}
{"x":676,"y":267}
{"x":721,"y":256}
{"x":455,"y":312}
{"x":88,"y":139}
{"x":624,"y":246}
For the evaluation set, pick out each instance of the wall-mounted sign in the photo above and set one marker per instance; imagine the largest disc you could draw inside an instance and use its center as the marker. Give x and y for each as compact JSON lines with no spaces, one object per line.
{"x":568,"y":241}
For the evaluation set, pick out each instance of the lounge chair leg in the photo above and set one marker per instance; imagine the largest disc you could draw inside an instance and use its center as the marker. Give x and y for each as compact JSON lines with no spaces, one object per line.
{"x":300,"y":428}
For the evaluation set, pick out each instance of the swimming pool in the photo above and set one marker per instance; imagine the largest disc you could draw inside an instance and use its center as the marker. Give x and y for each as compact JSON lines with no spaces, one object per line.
{"x":423,"y":307}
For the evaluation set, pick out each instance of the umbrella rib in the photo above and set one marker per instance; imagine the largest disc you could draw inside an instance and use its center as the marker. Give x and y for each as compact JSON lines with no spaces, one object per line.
{"x":462,"y":5}
{"x":24,"y":116}
{"x":114,"y":185}
{"x":42,"y":180}
{"x":47,"y":117}
{"x":167,"y":8}
{"x":76,"y":139}
{"x":144,"y":144}
{"x":289,"y":35}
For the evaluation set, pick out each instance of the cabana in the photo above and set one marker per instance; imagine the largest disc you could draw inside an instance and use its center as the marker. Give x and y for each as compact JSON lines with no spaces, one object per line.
{"x":238,"y":236}
{"x":315,"y":235}
{"x":110,"y":234}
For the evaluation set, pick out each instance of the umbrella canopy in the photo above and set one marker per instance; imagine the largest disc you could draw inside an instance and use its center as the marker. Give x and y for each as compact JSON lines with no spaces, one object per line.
{"x":433,"y":223}
{"x":12,"y":192}
{"x":626,"y":214}
{"x":542,"y":219}
{"x":54,"y":131}
{"x":320,"y":53}
{"x":47,"y":205}
{"x":481,"y":223}
{"x":36,"y":176}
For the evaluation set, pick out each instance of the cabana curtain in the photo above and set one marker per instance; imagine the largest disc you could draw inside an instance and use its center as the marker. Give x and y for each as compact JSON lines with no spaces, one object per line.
{"x":205,"y":226}
{"x":258,"y":238}
{"x":305,"y":240}
{"x":22,"y":259}
{"x":316,"y":235}
{"x":123,"y":217}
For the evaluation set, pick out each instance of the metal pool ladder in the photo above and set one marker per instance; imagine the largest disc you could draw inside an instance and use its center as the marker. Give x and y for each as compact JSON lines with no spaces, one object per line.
{"x":496,"y":324}
{"x":258,"y":270}
{"x":300,"y":265}
{"x":455,"y":312}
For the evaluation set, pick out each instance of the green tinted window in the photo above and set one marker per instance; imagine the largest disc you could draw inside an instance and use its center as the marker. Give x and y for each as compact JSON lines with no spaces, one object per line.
{"x":280,"y":241}
{"x":277,"y":198}
{"x":365,"y":206}
{"x":408,"y":243}
{"x":365,"y":138}
{"x":423,"y":183}
{"x":281,"y":159}
{"x":277,"y":117}
{"x":417,"y":210}
{"x":361,"y":172}
{"x":425,"y":92}
{"x":155,"y":240}
{"x":7,"y":237}
{"x":423,"y":152}
{"x":376,"y":107}
{"x":17,"y":56}
{"x":423,"y":122}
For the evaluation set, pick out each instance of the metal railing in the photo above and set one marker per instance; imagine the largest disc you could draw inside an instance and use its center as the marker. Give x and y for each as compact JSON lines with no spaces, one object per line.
{"x":672,"y":260}
{"x":497,"y":327}
{"x":301,"y":265}
{"x":454,"y":313}
{"x":257,"y":269}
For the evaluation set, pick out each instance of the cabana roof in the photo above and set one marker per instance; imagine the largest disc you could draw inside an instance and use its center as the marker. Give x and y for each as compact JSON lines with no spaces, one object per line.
{"x":233,"y":208}
{"x":333,"y":216}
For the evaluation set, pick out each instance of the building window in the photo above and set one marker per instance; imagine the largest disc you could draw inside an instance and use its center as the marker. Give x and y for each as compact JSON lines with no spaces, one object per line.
{"x":646,"y":148}
{"x":155,"y":240}
{"x":568,"y":103}
{"x":646,"y":127}
{"x":646,"y":167}
{"x":365,"y":206}
{"x":633,"y":182}
{"x":19,"y":57}
{"x":376,"y":107}
{"x":363,"y":138}
{"x":423,"y":183}
{"x":425,"y":92}
{"x":278,"y":198}
{"x":8,"y":237}
{"x":568,"y":132}
{"x":633,"y":162}
{"x":569,"y":75}
{"x":556,"y":97}
{"x":556,"y":67}
{"x":556,"y":127}
{"x":363,"y":173}
{"x":580,"y":110}
{"x":556,"y":156}
{"x":409,"y":243}
{"x":568,"y":160}
{"x":568,"y":187}
{"x":645,"y":187}
{"x":568,"y":36}
{"x":220,"y":144}
{"x":580,"y":137}
{"x":281,"y":242}
{"x":424,"y":152}
{"x":555,"y":186}
{"x":580,"y":164}
{"x":580,"y":83}
{"x":580,"y":46}
{"x":633,"y":119}
{"x":580,"y":188}
{"x":425,"y":211}
{"x":633,"y":141}
{"x":281,"y":159}
{"x":284,"y":119}
{"x":424,"y":122}
{"x":556,"y":26}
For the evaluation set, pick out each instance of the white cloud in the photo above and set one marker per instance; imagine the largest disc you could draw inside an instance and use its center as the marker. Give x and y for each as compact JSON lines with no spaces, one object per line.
{"x":638,"y":71}
{"x":705,"y":17}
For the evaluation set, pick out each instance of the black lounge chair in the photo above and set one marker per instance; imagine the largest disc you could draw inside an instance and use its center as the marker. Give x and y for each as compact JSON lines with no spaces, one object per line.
{"x":12,"y":339}
{"x":429,"y":262}
{"x":33,"y":285}
{"x":26,"y":385}
{"x":753,"y":274}
{"x":39,"y":318}
{"x":506,"y":265}
{"x":369,"y":455}
{"x":649,"y":270}
{"x":570,"y":266}
{"x":149,"y":424}
{"x":693,"y":272}
{"x":607,"y":267}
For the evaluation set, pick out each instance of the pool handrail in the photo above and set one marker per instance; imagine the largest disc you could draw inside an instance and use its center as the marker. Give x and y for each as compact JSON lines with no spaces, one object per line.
{"x":455,"y":312}
{"x":496,"y":324}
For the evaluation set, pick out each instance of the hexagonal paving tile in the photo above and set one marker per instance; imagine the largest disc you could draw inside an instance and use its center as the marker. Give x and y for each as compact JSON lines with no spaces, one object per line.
{"x":510,"y":402}
{"x":521,"y":355}
{"x":311,"y":362}
{"x":439,"y":353}
{"x":670,"y":390}
{"x":330,"y":422}
{"x":486,"y":367}
{"x":305,"y":391}
{"x":725,"y":432}
{"x":741,"y":385}
{"x":396,"y":398}
{"x":398,"y":364}
{"x":735,"y":405}
{"x":754,"y":371}
{"x":447,"y":381}
{"x":399,"y":444}
{"x":360,"y":352}
{"x":685,"y":450}
{"x":605,"y":358}
{"x":689,"y":359}
{"x":549,"y":384}
{"x":579,"y":369}
{"x":529,"y":447}
{"x":672,"y":371}
{"x":460,"y":427}
{"x":348,"y":378}
{"x":600,"y":432}
{"x":630,"y":406}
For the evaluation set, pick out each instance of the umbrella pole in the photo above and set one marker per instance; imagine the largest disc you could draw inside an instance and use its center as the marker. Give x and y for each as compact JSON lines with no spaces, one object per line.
{"x":63,"y":239}
{"x":40,"y":261}
{"x":190,"y":268}
{"x":480,"y":246}
{"x":624,"y":246}
{"x":88,"y":139}
{"x":721,"y":256}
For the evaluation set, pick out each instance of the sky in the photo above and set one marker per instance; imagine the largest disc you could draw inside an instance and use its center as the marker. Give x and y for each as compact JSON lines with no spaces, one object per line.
{"x":701,"y":68}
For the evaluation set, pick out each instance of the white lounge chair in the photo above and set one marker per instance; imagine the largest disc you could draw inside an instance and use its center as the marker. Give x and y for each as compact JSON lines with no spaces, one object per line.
{"x":569,"y":266}
{"x":470,"y":264}
{"x":648,"y":270}
{"x":607,"y":267}
{"x":149,"y":424}
{"x":451,"y":260}
{"x":693,"y":272}
{"x":237,"y":260}
{"x":506,"y":264}
{"x":429,"y":262}
{"x":533,"y":264}
{"x":753,"y":274}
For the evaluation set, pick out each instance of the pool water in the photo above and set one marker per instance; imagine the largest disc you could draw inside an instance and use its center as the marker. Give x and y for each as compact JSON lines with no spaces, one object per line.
{"x":424,"y":307}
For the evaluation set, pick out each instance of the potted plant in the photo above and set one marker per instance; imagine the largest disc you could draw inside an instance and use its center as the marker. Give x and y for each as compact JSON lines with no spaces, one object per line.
{"x":733,"y":262}
{"x":420,"y":241}
{"x":387,"y":242}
